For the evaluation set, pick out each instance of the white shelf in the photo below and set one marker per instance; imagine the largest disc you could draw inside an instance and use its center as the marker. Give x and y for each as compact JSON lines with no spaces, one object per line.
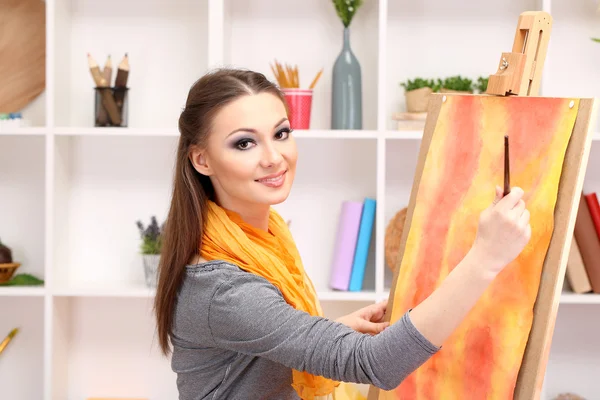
{"x":75,"y":190}
{"x":22,"y":291}
{"x":117,"y":289}
{"x":113,"y":131}
{"x":573,"y":298}
{"x":24,"y":131}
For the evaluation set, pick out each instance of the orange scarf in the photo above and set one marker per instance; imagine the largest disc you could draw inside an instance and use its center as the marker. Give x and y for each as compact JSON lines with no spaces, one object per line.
{"x":274,"y":256}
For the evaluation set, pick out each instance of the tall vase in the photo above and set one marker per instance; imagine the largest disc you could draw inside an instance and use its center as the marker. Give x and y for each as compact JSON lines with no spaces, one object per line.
{"x":346,"y":102}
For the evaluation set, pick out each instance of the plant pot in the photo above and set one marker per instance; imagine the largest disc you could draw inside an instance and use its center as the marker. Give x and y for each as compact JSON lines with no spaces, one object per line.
{"x":417,"y":100}
{"x":7,"y":270}
{"x":151,"y":262}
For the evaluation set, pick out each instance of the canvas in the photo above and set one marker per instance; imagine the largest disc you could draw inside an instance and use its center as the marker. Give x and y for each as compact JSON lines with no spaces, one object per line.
{"x":462,"y":160}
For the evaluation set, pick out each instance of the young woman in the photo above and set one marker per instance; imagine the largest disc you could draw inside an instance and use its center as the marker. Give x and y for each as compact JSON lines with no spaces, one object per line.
{"x":233,"y":298}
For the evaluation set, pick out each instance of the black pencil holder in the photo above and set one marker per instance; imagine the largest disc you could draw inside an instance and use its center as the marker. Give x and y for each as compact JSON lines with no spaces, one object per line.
{"x":111,"y":106}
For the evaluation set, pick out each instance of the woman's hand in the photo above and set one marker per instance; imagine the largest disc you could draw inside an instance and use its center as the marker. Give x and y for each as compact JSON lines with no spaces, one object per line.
{"x":368,"y":319}
{"x":503,"y":230}
{"x":502,"y":234}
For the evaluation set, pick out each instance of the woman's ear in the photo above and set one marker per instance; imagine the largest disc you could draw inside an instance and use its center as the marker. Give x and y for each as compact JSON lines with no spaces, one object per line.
{"x":199,"y":160}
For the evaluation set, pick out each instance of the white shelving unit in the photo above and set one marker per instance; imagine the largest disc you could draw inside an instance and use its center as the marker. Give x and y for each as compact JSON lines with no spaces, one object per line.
{"x":71,"y":193}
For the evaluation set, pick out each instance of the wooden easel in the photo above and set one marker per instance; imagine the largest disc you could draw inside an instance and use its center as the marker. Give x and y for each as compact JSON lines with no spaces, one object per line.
{"x":518,"y":74}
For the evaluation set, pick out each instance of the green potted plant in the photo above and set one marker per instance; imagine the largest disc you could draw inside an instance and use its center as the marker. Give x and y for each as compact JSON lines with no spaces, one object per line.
{"x":150,"y":249}
{"x":417,"y":92}
{"x":456,"y":84}
{"x":481,"y":84}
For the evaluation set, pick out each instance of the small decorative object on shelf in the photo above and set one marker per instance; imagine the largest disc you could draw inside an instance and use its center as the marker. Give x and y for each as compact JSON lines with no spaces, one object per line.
{"x":393,"y":238}
{"x":299,"y":100}
{"x":11,"y":121}
{"x":417,"y":92}
{"x":150,"y":249}
{"x":8,"y":338}
{"x":346,"y":102}
{"x":456,"y":84}
{"x":7,"y":266}
{"x":110,"y":102}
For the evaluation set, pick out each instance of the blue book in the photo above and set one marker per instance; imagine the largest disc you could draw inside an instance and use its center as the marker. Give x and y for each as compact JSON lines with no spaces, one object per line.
{"x":362,"y":245}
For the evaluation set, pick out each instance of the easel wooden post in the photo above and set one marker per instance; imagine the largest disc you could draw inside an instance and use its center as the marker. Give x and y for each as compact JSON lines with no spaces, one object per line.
{"x":519,"y":74}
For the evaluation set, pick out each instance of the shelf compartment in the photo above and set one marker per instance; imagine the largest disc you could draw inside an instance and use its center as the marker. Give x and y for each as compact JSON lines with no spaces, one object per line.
{"x":22,"y":190}
{"x":573,"y":361}
{"x":415,"y":49}
{"x":316,"y":198}
{"x":103,"y":185}
{"x":102,"y":353}
{"x":308,"y":34}
{"x":167,"y":46}
{"x":22,"y":366}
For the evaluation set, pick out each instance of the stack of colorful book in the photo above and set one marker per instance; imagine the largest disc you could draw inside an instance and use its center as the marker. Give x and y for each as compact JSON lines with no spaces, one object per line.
{"x":583,"y":265}
{"x":352,"y":244}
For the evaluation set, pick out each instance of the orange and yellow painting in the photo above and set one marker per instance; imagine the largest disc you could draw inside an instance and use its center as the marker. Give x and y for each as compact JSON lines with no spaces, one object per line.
{"x":465,"y":162}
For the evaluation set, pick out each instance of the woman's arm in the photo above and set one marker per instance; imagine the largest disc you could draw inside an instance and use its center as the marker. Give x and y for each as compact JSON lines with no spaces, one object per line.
{"x":249,"y":315}
{"x":502,"y":234}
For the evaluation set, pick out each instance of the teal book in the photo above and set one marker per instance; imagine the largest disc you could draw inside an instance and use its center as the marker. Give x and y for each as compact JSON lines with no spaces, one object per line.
{"x":362,"y":245}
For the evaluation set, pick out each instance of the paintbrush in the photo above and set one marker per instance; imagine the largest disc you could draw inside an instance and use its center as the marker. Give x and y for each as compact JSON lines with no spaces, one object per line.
{"x":11,"y":335}
{"x":506,"y":167}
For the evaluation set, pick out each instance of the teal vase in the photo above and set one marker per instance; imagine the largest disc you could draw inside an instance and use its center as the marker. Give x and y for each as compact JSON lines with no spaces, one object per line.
{"x":346,"y":102}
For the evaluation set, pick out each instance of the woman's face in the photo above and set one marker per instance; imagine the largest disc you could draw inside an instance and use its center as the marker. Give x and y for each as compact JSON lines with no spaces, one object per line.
{"x":250,"y":154}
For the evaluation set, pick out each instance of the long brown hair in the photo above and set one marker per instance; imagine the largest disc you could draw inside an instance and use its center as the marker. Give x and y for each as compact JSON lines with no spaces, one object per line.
{"x":184,"y":224}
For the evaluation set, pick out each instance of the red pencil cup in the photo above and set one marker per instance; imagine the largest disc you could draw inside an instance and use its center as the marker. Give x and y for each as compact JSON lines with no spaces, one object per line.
{"x":299,"y":103}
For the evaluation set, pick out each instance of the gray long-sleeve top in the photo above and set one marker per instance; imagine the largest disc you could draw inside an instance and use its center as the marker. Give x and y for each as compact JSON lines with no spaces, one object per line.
{"x":235,"y":337}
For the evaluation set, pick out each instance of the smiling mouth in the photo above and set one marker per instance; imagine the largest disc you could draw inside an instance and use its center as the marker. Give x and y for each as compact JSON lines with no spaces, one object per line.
{"x":273,"y":180}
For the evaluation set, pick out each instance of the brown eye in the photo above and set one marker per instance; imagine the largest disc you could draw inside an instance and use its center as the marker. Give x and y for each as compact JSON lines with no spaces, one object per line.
{"x":283,"y":134}
{"x":243,"y":144}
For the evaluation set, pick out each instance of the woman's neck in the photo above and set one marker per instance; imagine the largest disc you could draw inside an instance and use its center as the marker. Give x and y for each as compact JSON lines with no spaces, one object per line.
{"x":258,"y":218}
{"x":256,"y":215}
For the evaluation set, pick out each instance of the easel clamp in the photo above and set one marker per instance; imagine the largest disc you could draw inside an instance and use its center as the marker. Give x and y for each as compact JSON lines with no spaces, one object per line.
{"x":528,"y":54}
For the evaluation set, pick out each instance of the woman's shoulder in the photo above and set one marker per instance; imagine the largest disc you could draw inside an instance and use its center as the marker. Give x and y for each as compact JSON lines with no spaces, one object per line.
{"x":224,"y":276}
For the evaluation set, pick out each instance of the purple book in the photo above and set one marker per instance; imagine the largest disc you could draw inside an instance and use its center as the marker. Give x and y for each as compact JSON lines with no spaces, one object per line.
{"x":345,"y":245}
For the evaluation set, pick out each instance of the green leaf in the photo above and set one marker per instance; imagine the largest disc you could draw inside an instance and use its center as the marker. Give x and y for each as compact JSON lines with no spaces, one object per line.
{"x":482,"y":84}
{"x":596,"y":39}
{"x":346,"y":9}
{"x":23,"y":280}
{"x":457,"y":82}
{"x":418,"y":83}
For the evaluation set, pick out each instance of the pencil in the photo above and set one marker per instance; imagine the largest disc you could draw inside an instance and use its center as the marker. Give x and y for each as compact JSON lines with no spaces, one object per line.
{"x":107,"y":75}
{"x":95,"y":71}
{"x":121,"y":82}
{"x":122,"y":72}
{"x":11,"y":335}
{"x":506,"y":167}
{"x":107,"y":71}
{"x":314,"y":82}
